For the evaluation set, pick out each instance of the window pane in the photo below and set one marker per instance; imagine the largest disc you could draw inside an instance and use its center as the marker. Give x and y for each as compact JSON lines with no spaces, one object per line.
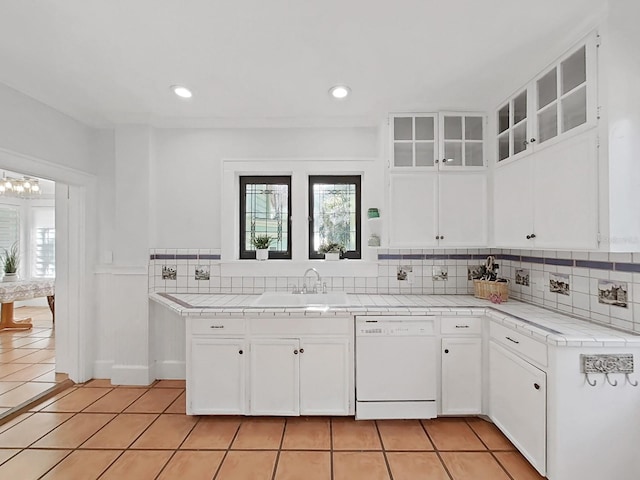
{"x":424,"y":154}
{"x":403,"y":154}
{"x":424,"y":128}
{"x":520,"y":138}
{"x":453,"y":153}
{"x":9,"y":227}
{"x":503,"y":146}
{"x":473,"y":128}
{"x":503,"y":118}
{"x":520,"y":107}
{"x":547,"y":124}
{"x":453,"y":128}
{"x":334,"y":215}
{"x":403,"y":128}
{"x":547,"y":89}
{"x":266,"y":212}
{"x":473,"y":154}
{"x":45,"y":258}
{"x":574,"y":109}
{"x":574,"y":71}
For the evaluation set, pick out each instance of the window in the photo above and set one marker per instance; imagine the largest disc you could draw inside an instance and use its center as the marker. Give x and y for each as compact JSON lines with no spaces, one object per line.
{"x":45,"y":253}
{"x":265,"y":209}
{"x":334,"y":206}
{"x":9,"y":227}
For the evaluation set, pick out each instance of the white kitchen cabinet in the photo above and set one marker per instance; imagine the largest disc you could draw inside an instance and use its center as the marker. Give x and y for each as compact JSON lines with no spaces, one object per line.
{"x":324,"y":376}
{"x":413,"y":214}
{"x":437,"y":141}
{"x":306,"y":376}
{"x":275,"y":376}
{"x":461,"y":380}
{"x":438,"y":209}
{"x":549,"y":199}
{"x":518,"y":403}
{"x":216,"y":376}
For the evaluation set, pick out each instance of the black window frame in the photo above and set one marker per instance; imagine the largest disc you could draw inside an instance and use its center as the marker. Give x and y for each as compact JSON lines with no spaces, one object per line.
{"x":337,"y":180}
{"x":269,"y":180}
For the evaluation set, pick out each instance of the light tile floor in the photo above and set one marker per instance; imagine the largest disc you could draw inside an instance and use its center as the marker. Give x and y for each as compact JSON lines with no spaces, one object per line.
{"x":100,"y":431}
{"x":27,"y":360}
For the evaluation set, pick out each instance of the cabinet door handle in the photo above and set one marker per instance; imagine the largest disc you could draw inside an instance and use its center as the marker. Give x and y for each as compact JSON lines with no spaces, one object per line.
{"x":437,"y":237}
{"x":446,"y":350}
{"x":240,"y":352}
{"x":536,"y":386}
{"x":216,"y":326}
{"x":533,"y":235}
{"x":302,"y":350}
{"x":441,"y":237}
{"x":532,"y":140}
{"x":512,"y":340}
{"x":462,"y":326}
{"x":295,"y":352}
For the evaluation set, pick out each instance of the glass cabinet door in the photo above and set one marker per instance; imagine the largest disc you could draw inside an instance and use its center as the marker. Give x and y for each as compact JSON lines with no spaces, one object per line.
{"x":512,"y":127}
{"x":414,"y":138}
{"x":462,"y":141}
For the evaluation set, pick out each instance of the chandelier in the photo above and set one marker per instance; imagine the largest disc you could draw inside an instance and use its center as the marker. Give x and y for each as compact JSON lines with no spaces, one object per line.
{"x":19,"y":187}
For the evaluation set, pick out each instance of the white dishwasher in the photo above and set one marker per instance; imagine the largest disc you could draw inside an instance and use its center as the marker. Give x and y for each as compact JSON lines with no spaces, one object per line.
{"x":395,"y":367}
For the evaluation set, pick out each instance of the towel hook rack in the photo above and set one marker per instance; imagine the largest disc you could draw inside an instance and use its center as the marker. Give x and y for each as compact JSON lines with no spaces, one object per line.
{"x":592,"y":384}
{"x":628,"y":380}
{"x":614,"y":383}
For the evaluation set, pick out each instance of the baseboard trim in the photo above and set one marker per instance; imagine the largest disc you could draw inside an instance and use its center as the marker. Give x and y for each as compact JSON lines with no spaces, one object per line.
{"x":131,"y":375}
{"x":170,"y":370}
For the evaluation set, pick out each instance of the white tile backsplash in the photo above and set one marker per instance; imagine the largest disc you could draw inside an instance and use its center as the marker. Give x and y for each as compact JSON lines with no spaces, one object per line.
{"x":582,"y":301}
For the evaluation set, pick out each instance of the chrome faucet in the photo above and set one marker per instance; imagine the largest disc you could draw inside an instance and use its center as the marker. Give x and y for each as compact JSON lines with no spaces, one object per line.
{"x":317,"y":282}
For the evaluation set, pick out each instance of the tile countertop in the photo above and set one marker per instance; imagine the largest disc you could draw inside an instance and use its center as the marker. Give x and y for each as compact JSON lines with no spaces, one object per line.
{"x":551,"y":327}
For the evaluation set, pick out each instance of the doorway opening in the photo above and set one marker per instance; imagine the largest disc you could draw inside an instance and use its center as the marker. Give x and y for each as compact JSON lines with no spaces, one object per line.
{"x":27,"y":227}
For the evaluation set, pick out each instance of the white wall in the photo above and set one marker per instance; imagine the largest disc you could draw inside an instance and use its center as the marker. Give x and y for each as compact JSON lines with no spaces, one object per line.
{"x":186,"y":184}
{"x":31,"y":128}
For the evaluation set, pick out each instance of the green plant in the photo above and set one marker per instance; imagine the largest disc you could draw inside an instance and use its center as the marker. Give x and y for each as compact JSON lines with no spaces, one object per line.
{"x":10,"y":259}
{"x":331,"y":247}
{"x":261,"y":242}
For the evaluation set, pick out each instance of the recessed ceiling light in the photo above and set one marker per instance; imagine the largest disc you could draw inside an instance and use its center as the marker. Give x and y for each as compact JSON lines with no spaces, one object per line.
{"x":181,"y":91}
{"x":340,"y":92}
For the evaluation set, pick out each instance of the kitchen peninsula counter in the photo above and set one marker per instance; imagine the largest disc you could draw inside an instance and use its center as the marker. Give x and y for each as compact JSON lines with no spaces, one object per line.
{"x":549,"y":326}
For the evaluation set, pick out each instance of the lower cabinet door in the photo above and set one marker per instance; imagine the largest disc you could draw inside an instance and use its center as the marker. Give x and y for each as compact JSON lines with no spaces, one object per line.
{"x":216,"y":377}
{"x":275,"y":377}
{"x":517,"y":403}
{"x":324,"y":376}
{"x":461,"y":376}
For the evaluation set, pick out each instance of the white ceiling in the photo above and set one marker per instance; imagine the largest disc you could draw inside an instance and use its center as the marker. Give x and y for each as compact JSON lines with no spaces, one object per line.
{"x":272,"y":61}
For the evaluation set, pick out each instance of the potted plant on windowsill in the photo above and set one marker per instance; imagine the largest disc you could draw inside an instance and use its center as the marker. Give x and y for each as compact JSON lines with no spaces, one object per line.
{"x":262,"y":242}
{"x":10,"y":262}
{"x":331,"y":250}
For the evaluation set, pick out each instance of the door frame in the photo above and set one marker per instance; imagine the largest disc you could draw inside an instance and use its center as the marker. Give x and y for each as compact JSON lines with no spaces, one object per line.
{"x":75,"y":208}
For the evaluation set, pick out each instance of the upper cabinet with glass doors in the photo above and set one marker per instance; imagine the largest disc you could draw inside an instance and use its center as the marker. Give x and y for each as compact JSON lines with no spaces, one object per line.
{"x":437,"y":141}
{"x":555,"y":103}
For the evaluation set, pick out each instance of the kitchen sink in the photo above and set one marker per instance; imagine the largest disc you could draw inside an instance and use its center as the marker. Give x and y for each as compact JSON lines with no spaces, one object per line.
{"x":285,"y":299}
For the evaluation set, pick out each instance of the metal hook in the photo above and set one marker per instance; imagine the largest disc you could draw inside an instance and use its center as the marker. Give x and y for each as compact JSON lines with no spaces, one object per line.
{"x":615,"y":382}
{"x":626,"y":376}
{"x":586,"y":376}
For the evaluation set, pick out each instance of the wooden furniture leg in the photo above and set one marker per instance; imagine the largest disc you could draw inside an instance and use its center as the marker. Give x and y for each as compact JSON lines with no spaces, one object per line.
{"x":52,"y":306}
{"x":7,"y":321}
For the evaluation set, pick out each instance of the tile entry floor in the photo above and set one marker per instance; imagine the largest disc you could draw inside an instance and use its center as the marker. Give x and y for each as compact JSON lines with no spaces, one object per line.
{"x":27,"y":360}
{"x":98,"y":431}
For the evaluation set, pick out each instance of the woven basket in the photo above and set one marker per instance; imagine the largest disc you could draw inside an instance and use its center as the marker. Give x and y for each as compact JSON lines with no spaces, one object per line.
{"x":484,"y":289}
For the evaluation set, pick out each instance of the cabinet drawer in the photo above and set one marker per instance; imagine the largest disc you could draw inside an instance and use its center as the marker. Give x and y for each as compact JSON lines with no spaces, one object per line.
{"x":461,"y":325}
{"x":519,"y":343}
{"x":217,"y":326}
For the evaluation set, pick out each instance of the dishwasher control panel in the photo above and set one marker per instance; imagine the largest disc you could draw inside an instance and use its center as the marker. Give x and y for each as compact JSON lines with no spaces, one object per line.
{"x":394,"y":326}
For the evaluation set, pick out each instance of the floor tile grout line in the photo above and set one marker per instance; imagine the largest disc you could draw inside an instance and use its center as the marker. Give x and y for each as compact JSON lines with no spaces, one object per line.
{"x":177,"y":449}
{"x":226,"y":453}
{"x":384,"y":452}
{"x":275,"y":465}
{"x":435,"y":449}
{"x":331,"y":447}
